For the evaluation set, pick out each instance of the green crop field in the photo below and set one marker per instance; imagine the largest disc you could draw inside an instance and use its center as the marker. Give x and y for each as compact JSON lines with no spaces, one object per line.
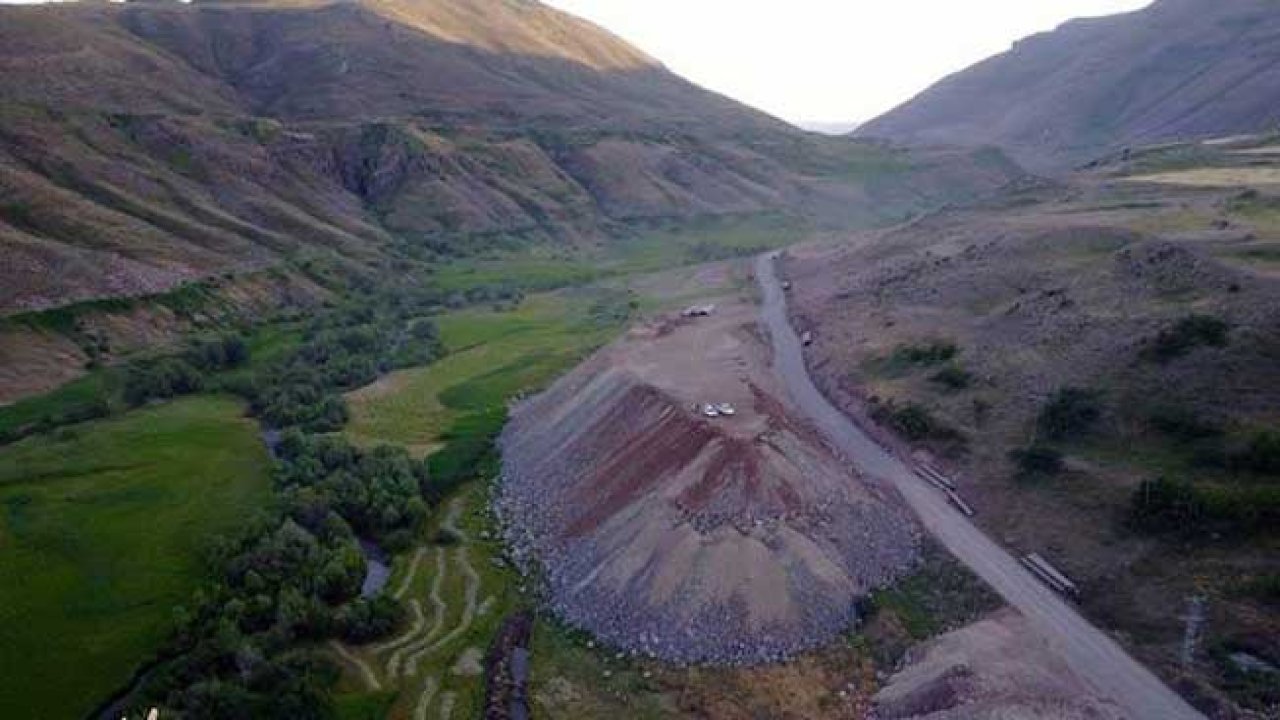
{"x":648,"y":249}
{"x":102,"y":527}
{"x":492,"y":355}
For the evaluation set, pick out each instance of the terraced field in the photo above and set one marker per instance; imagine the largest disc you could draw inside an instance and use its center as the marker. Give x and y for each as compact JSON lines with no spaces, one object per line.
{"x":457,"y":593}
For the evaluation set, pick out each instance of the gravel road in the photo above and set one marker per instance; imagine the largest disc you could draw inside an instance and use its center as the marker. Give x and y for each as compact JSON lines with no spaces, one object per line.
{"x":1094,"y":656}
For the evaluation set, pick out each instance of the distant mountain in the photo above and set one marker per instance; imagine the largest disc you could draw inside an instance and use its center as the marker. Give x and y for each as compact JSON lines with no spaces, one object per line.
{"x":829,"y":128}
{"x":1179,"y":69}
{"x":149,"y":143}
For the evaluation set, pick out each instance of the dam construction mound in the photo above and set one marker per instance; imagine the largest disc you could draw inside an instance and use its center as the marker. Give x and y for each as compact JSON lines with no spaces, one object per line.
{"x":734,"y":539}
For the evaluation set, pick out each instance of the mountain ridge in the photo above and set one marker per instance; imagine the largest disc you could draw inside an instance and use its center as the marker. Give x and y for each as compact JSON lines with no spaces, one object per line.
{"x":168,"y":142}
{"x":1176,"y":70}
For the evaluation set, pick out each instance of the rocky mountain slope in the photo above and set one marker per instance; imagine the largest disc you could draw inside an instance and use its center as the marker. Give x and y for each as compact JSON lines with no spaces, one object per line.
{"x":1179,"y":69}
{"x":146,"y":144}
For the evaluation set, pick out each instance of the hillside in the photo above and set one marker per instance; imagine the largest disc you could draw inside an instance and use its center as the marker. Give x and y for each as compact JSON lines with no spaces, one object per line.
{"x":1179,"y":69}
{"x":1096,"y":363}
{"x":148,"y":144}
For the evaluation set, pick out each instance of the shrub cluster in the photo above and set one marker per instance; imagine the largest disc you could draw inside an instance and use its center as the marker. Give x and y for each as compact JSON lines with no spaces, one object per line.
{"x":928,"y":354}
{"x":913,"y":422}
{"x":1037,"y":460}
{"x":292,"y":581}
{"x":378,"y":492}
{"x":1164,"y":506}
{"x":239,"y":648}
{"x":1187,"y":334}
{"x":1258,"y":453}
{"x":223,"y":352}
{"x":952,"y":377}
{"x":1069,"y":414}
{"x":343,"y":350}
{"x":168,"y":377}
{"x":1183,"y":424}
{"x":161,"y":379}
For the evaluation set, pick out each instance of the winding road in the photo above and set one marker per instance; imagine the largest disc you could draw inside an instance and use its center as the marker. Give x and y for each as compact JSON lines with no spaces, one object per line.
{"x":1090,"y":653}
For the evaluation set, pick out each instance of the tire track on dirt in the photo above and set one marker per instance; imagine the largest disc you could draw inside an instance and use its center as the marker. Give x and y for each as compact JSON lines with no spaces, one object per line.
{"x":366,"y":672}
{"x":471,"y":592}
{"x":419,"y":620}
{"x":429,"y":689}
{"x":437,"y":621}
{"x":413,"y":570}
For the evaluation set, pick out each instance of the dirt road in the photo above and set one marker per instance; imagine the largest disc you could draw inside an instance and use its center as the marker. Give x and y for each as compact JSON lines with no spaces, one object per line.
{"x":1094,"y":656}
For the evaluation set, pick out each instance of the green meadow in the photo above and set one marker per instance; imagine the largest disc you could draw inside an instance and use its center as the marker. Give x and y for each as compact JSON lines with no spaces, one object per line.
{"x":102,"y":530}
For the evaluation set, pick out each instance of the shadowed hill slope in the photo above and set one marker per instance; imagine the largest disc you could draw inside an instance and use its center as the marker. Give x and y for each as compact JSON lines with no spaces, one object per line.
{"x":1180,"y":69}
{"x":146,"y":144}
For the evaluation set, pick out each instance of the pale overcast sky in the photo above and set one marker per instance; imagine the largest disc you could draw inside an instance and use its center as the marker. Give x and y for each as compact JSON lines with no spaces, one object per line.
{"x":828,"y":60}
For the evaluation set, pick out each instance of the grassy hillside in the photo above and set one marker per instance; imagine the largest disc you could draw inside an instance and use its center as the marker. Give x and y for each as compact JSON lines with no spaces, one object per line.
{"x":103,"y":526}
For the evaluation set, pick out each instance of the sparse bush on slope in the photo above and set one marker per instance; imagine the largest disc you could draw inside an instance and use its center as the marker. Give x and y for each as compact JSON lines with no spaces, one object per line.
{"x":1187,"y":334}
{"x":1164,"y":506}
{"x":952,"y":377}
{"x":1070,"y":413}
{"x":1037,"y":460}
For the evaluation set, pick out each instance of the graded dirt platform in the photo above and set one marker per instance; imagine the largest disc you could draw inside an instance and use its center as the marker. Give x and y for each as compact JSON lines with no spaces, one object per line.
{"x":994,"y":669}
{"x":736,"y":539}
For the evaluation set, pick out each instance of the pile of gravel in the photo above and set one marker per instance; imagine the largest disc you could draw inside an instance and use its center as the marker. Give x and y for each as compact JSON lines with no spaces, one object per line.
{"x":552,"y":443}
